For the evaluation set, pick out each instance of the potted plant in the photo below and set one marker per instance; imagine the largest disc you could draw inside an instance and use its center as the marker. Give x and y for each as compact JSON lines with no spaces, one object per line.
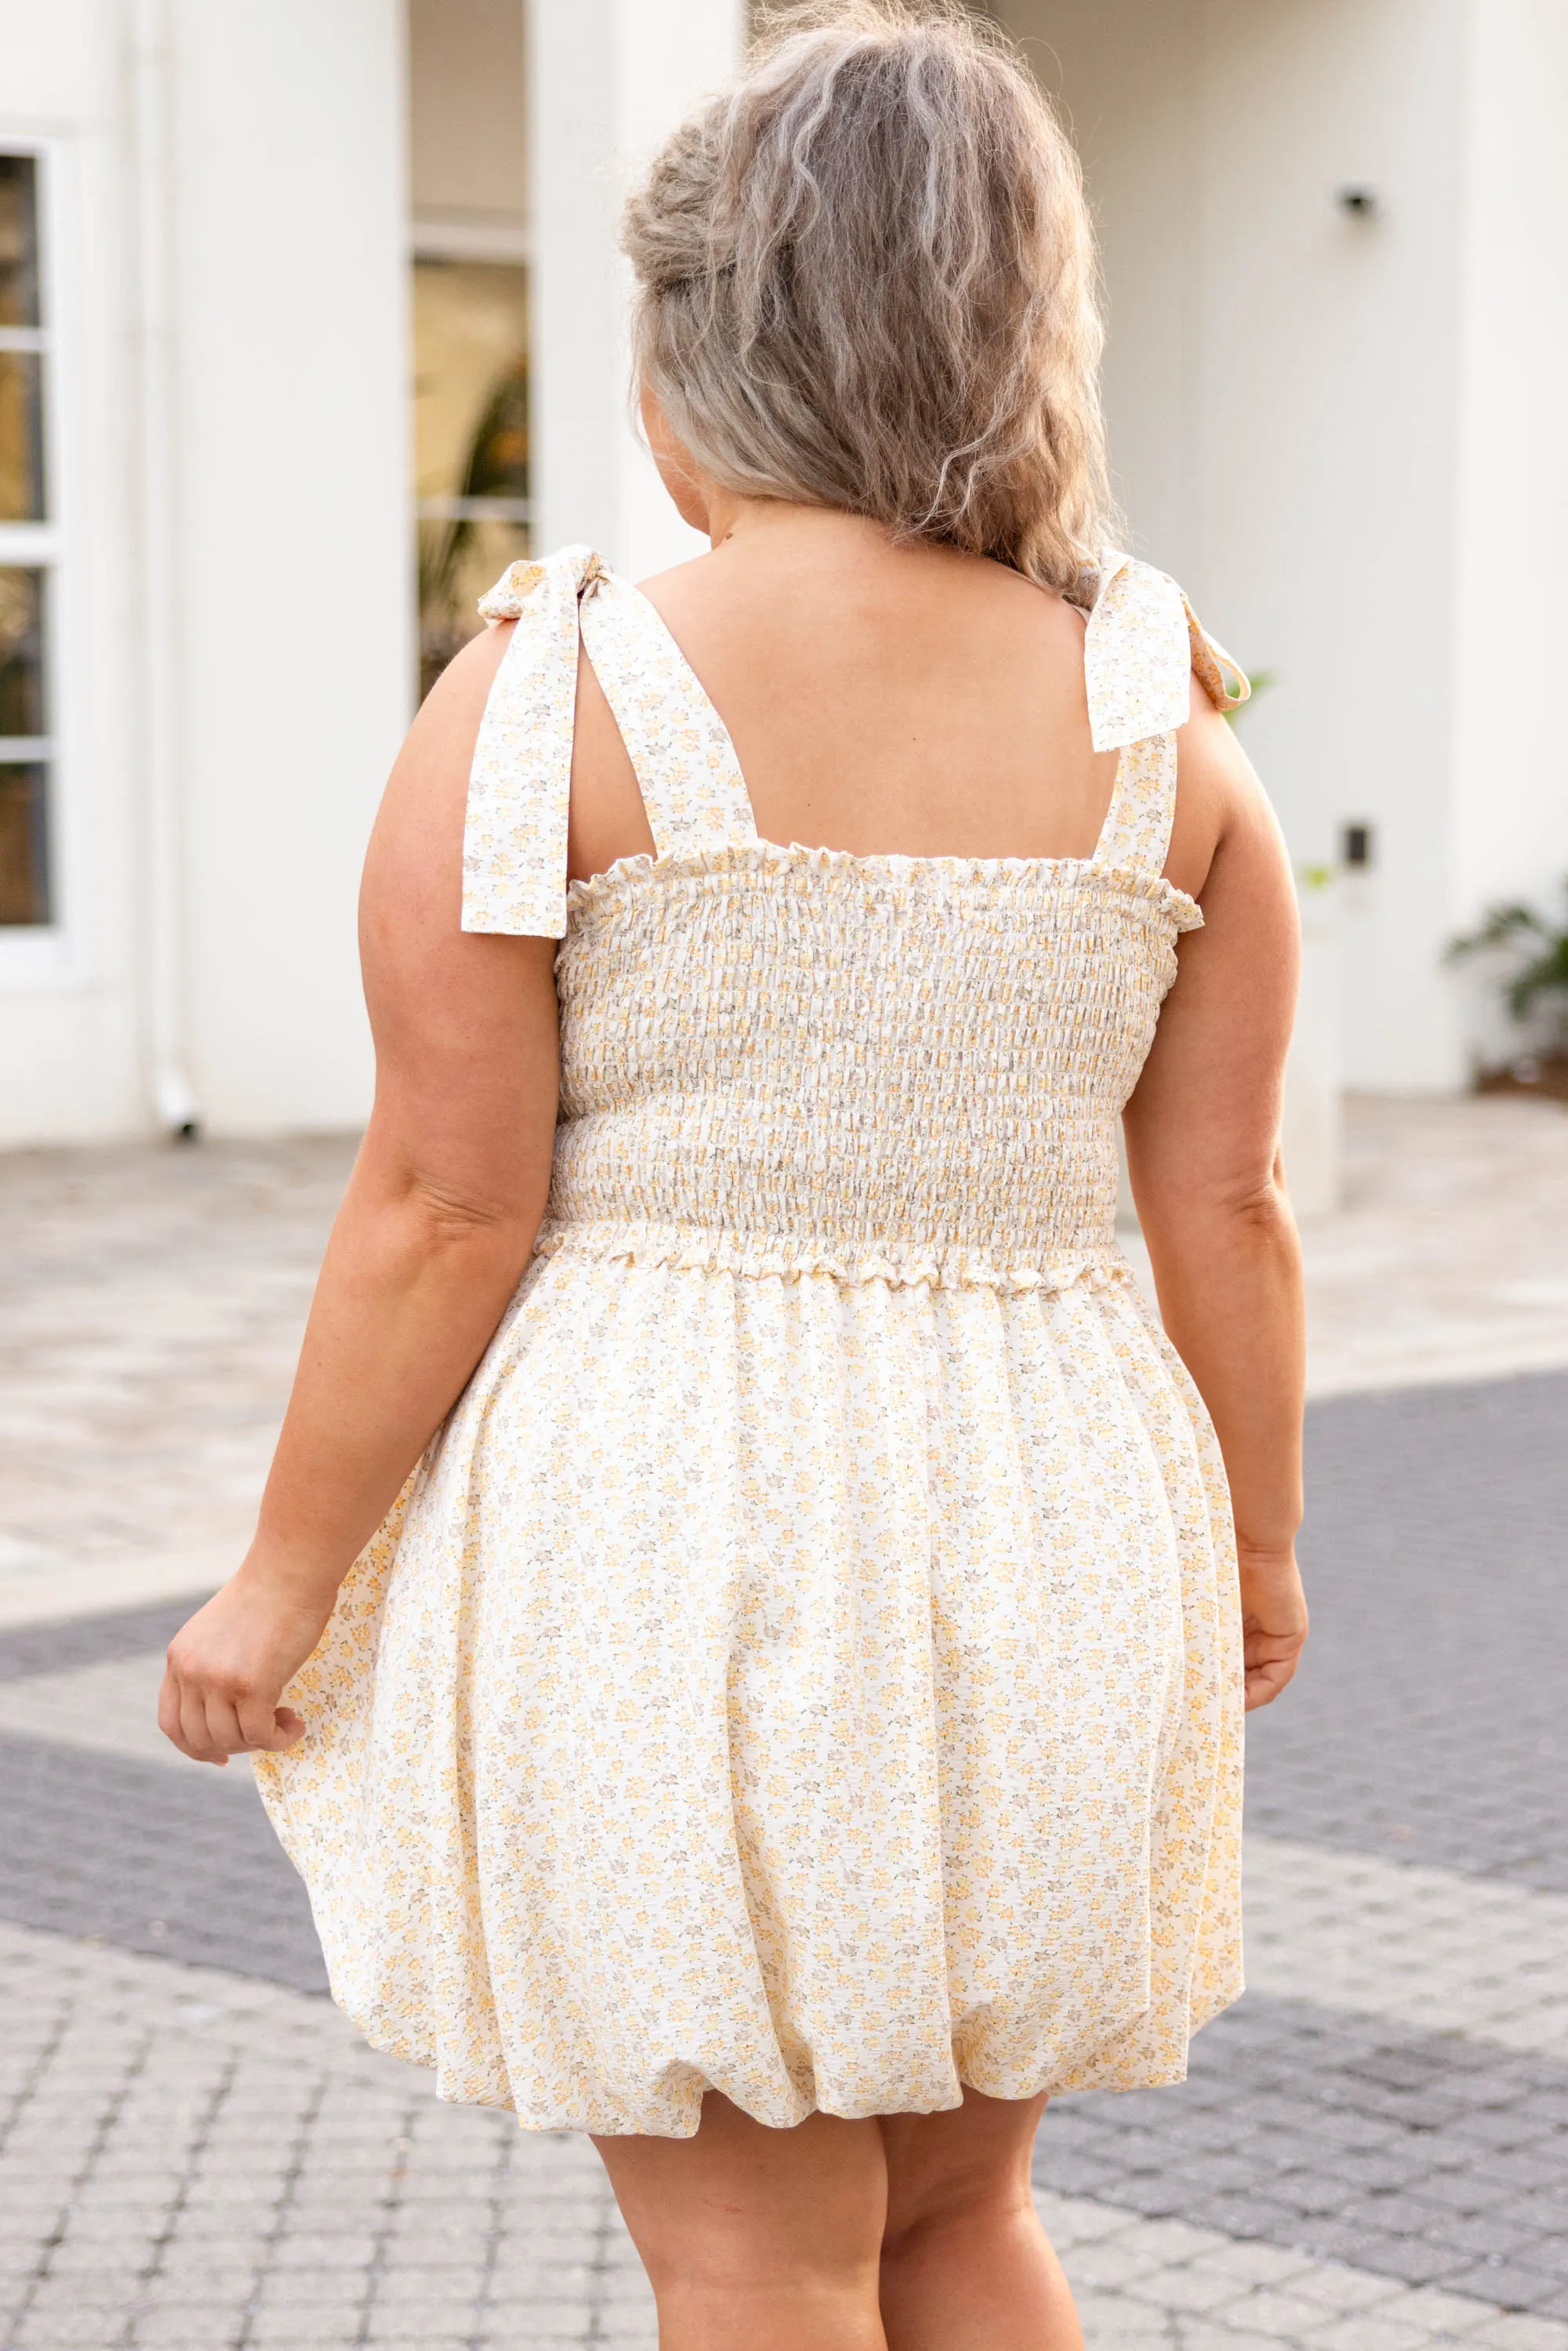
{"x":1530,"y":954}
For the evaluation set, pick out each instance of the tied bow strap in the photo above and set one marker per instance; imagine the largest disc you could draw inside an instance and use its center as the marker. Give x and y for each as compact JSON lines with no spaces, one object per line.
{"x":520,"y":786}
{"x":1143,"y":644}
{"x":573,"y":570}
{"x":1223,"y":681}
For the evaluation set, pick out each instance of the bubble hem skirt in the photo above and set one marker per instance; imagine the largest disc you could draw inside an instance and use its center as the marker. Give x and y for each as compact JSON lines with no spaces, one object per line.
{"x":825,"y":1691}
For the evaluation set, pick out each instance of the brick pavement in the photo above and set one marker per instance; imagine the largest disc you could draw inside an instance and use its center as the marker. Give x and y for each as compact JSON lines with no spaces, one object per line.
{"x":150,"y":1305}
{"x":1430,"y":1948}
{"x":1431,"y":1724}
{"x":192,"y":2161}
{"x":1417,"y":2156}
{"x":132,"y":1854}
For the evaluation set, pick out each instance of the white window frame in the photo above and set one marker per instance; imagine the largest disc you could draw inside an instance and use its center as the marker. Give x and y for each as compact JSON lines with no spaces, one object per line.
{"x":36,"y":951}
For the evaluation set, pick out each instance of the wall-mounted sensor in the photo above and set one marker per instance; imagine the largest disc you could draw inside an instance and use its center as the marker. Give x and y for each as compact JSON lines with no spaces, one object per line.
{"x":1355,"y":846}
{"x":1358,"y":203}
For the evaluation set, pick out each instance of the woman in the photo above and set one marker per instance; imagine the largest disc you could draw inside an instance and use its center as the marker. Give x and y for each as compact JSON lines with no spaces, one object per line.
{"x":787,"y":1723}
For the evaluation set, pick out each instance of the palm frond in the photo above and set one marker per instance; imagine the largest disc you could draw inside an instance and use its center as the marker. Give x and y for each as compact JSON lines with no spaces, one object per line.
{"x":1534,"y":950}
{"x":1500,"y":925}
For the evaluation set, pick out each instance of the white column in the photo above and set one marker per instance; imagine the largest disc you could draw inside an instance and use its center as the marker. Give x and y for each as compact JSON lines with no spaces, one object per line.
{"x":1510,"y":833}
{"x":608,"y":80}
{"x":293,"y":558}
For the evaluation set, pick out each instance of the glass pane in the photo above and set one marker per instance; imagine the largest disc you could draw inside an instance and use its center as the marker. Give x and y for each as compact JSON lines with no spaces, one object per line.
{"x":22,"y":653}
{"x":21,"y":438}
{"x":18,"y":241}
{"x":24,"y":844}
{"x":470,"y":441}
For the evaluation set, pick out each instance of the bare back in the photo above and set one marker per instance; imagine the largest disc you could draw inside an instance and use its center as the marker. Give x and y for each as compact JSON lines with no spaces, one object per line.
{"x":882,"y":700}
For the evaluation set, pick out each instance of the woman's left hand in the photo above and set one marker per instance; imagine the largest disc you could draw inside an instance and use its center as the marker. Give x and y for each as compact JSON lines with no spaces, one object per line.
{"x":228,"y":1667}
{"x":1274,"y":1619}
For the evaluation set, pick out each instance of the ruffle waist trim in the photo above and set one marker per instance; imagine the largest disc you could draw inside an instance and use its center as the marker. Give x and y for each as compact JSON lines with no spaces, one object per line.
{"x":686,"y":1248}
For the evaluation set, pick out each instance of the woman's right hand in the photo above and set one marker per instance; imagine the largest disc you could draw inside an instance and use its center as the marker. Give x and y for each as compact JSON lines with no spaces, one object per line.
{"x":229,"y":1665}
{"x":1273,"y":1620}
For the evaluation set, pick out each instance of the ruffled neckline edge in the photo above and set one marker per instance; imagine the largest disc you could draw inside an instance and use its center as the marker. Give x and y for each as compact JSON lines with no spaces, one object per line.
{"x":629,"y":877}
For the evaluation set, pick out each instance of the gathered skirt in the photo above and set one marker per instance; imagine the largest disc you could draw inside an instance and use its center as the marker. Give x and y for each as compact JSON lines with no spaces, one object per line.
{"x":826,"y":1691}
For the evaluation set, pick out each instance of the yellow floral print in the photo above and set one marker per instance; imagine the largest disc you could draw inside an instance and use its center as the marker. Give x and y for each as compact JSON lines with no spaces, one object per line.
{"x":806,"y":1664}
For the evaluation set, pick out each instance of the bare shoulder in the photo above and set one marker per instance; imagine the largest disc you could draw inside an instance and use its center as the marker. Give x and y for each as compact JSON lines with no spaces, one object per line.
{"x":455,"y":703}
{"x":693,"y":567}
{"x":684,"y":587}
{"x":464,"y":1021}
{"x":432,"y":769}
{"x":443,"y":999}
{"x":1218,"y":795}
{"x":418,"y":827}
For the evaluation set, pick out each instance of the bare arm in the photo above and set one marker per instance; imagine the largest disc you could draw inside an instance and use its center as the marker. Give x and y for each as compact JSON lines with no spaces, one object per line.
{"x":1203,"y":1152}
{"x":432,"y":1239}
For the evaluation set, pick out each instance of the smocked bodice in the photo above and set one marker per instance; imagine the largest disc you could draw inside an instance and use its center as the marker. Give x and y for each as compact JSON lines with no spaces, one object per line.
{"x":789,"y":1061}
{"x":785,"y":1060}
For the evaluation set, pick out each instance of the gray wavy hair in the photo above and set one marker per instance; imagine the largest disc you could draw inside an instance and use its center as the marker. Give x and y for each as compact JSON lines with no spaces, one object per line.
{"x":866,"y":280}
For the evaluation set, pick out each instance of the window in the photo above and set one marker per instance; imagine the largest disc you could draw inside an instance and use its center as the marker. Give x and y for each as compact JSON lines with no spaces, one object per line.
{"x":27,"y":552}
{"x":470,"y":441}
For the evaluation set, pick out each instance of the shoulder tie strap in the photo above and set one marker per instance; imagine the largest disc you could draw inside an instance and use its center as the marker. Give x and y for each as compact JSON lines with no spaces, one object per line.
{"x":689,"y":779}
{"x":1223,"y":681}
{"x":1143,"y":644}
{"x":520,"y":786}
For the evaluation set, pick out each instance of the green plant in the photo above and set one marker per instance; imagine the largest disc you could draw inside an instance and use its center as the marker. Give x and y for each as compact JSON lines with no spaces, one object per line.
{"x":1535,"y":947}
{"x":1258,"y":682}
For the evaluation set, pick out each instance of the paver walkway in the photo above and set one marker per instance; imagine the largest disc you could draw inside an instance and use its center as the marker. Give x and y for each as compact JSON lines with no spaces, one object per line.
{"x":1372,"y":2154}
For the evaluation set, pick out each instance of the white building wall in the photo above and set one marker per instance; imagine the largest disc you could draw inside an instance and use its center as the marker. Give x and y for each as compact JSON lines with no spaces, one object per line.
{"x":1329,"y":405}
{"x":1342,"y":434}
{"x":1283,"y":387}
{"x":1508,"y":827}
{"x":608,"y":79}
{"x":288,"y":636}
